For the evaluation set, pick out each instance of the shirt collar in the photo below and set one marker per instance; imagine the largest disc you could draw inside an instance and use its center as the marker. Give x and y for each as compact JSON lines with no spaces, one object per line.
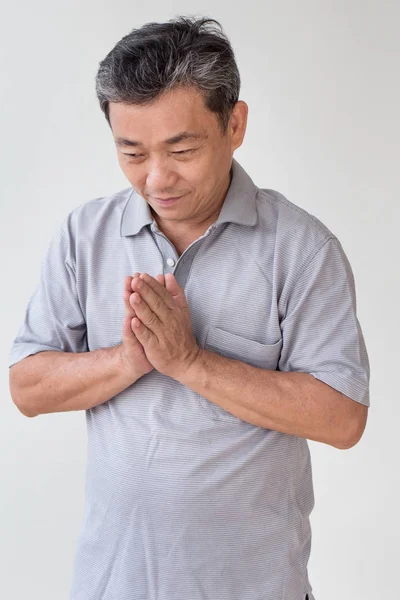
{"x":239,"y":205}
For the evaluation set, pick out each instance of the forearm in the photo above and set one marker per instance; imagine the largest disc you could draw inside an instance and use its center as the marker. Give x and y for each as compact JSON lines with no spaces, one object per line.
{"x":291,"y":402}
{"x":49,"y":382}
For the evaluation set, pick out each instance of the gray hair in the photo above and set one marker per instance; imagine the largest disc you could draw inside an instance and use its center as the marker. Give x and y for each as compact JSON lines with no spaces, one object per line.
{"x":185,"y":51}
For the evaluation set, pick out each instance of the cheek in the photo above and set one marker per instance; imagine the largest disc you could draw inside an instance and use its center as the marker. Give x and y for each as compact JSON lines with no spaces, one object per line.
{"x":202,"y":179}
{"x":197,"y":172}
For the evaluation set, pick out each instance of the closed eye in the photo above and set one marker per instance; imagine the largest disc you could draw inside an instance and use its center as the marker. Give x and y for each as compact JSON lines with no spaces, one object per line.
{"x":177,"y":152}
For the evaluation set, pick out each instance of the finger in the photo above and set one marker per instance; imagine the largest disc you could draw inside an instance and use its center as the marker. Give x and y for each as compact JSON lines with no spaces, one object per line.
{"x":153,"y":300}
{"x":128,"y":281}
{"x":156,"y":287}
{"x":161,"y":279}
{"x":147,"y":316}
{"x":142,"y":333}
{"x":128,"y":291}
{"x":127,"y":331}
{"x":129,"y":310}
{"x":126,"y":294}
{"x":177,"y":292}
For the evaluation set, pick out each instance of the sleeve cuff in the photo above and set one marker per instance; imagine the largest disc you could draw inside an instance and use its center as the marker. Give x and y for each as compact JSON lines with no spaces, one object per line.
{"x":353,"y":388}
{"x":22,"y":350}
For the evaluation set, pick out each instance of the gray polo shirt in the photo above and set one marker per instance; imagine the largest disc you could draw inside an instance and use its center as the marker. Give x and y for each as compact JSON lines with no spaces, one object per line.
{"x":185,"y":501}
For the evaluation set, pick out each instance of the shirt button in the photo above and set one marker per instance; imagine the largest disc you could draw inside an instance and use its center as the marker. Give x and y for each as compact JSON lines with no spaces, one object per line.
{"x":170,"y":262}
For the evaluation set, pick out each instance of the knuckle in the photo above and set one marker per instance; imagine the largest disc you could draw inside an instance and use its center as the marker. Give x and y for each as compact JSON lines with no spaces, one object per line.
{"x":152,"y":319}
{"x":157,"y":303}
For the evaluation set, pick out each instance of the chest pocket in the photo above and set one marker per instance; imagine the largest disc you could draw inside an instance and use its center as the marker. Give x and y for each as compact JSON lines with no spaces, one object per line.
{"x":231,"y":345}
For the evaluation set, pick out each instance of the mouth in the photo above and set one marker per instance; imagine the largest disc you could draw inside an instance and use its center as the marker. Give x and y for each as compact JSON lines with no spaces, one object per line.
{"x":166,"y":201}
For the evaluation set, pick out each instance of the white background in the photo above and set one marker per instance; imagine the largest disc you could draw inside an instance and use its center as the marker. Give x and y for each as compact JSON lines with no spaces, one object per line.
{"x":322,"y":83}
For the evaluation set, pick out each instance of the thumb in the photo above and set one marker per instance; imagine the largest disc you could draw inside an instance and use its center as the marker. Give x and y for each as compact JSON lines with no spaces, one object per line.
{"x":175,"y":289}
{"x":161,"y":279}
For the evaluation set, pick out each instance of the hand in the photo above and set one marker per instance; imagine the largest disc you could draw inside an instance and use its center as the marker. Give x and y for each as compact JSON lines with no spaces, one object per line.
{"x":132,"y":352}
{"x":163,"y":324}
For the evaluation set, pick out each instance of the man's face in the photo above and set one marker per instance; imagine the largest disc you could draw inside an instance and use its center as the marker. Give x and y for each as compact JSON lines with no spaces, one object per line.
{"x":196,"y":169}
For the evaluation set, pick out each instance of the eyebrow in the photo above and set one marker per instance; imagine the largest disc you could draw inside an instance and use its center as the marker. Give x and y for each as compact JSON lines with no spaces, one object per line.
{"x":180,"y":137}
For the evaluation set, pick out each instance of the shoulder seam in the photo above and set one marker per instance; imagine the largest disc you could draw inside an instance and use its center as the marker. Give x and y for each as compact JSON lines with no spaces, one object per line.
{"x":301,"y":211}
{"x":310,"y":258}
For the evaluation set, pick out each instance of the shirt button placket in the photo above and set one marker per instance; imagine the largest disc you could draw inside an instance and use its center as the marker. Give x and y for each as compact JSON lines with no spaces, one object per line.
{"x":170,"y":262}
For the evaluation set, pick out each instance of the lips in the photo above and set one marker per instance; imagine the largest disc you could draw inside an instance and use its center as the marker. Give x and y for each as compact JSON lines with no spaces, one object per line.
{"x":166,"y":199}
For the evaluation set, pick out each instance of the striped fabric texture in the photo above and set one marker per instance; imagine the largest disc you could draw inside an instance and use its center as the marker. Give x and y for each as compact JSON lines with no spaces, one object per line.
{"x":185,"y":501}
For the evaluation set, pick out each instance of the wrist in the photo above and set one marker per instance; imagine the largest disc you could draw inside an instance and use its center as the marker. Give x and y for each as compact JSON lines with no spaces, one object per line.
{"x":195,"y":376}
{"x":122,"y":365}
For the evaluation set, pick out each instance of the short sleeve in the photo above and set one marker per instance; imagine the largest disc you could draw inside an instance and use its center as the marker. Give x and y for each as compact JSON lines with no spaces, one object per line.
{"x":320,"y":330}
{"x":53,"y":317}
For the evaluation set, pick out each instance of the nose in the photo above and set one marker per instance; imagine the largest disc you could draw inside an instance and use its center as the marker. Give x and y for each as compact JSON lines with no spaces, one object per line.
{"x":160,"y":177}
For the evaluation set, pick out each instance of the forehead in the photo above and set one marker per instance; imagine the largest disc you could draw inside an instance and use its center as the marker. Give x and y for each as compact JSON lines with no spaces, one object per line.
{"x":174,"y":112}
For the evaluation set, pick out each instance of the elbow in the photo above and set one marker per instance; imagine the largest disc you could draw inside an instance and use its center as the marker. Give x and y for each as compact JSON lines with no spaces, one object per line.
{"x":27,"y":411}
{"x":355,"y":432}
{"x":349,"y":443}
{"x":345,"y":446}
{"x":24,"y":407}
